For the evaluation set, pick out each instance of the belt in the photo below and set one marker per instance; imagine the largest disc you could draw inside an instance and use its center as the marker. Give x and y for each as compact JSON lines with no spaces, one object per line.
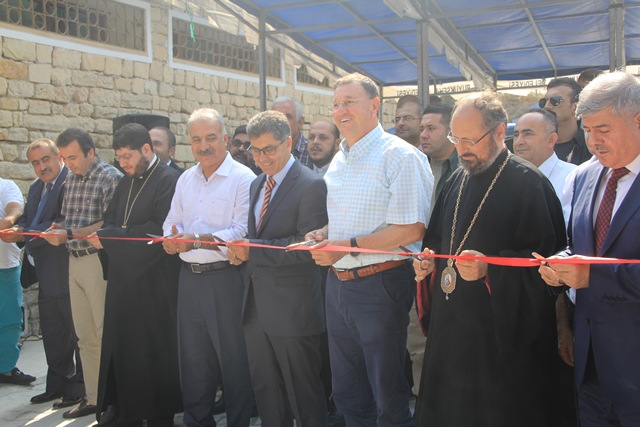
{"x":83,"y":252}
{"x":204,"y":268}
{"x":366,"y":271}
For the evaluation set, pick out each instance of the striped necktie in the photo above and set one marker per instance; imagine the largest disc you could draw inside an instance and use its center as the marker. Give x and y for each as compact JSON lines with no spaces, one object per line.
{"x":603,"y":220}
{"x":267,"y":198}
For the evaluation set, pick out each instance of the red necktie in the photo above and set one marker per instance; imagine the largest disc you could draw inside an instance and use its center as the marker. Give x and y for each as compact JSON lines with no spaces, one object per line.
{"x":603,"y":220}
{"x":267,"y":198}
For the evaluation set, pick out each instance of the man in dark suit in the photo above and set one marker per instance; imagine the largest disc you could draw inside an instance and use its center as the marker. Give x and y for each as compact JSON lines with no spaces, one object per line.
{"x":164,"y":145}
{"x":44,"y":201}
{"x":283,"y":312}
{"x":604,"y":222}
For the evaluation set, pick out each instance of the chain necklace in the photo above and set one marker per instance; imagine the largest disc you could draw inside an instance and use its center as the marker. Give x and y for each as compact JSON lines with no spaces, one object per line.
{"x":449,"y":275}
{"x":127,"y":208}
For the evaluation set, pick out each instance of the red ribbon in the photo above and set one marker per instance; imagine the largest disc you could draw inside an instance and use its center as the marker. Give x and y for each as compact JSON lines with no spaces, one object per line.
{"x":503,"y":261}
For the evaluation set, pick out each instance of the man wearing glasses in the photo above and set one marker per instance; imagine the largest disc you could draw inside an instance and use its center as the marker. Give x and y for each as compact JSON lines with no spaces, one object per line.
{"x":238,"y":148}
{"x":379,"y":193}
{"x":562,"y":98}
{"x":407,"y":120}
{"x":490,"y":350}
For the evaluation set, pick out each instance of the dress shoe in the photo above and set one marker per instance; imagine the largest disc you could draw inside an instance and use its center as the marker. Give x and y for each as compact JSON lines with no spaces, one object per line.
{"x":218,"y":406}
{"x":17,"y":377}
{"x":82,"y":410}
{"x":47,"y":396}
{"x":67,"y":401}
{"x":108,"y":416}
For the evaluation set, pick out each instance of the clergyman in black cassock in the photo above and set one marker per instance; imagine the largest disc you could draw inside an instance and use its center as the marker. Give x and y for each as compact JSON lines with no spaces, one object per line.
{"x":139,"y":363}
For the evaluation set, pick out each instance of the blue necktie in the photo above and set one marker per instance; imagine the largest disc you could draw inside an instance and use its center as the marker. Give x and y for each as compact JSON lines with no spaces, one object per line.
{"x":43,"y":202}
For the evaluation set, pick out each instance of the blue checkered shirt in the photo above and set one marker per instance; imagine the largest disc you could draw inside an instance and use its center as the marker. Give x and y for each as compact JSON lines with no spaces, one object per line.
{"x":86,"y":198}
{"x":380,"y":180}
{"x":301,"y":152}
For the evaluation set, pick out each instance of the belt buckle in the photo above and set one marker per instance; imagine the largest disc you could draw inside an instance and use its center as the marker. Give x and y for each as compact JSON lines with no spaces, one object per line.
{"x":192,"y":267}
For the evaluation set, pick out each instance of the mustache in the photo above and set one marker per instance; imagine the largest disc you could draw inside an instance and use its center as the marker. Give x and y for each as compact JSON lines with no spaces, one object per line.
{"x":206,"y":152}
{"x":45,"y":170}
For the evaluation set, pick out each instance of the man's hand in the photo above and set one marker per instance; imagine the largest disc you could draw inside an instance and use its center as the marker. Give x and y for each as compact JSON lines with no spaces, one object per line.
{"x":10,"y":236}
{"x":573,"y":275}
{"x":319,"y":234}
{"x":425,"y":267}
{"x":5,"y":224}
{"x":471,"y":270}
{"x":238,"y":254}
{"x":326,"y":258}
{"x":55,"y":236}
{"x":178,"y":243}
{"x":94,"y":240}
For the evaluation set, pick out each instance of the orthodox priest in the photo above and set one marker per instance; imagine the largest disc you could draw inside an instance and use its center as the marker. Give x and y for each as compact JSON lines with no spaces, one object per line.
{"x":139,"y":377}
{"x":491,"y":340}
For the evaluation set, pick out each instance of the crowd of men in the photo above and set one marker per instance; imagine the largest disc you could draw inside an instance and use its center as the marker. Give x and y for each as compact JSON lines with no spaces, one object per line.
{"x":161,"y":287}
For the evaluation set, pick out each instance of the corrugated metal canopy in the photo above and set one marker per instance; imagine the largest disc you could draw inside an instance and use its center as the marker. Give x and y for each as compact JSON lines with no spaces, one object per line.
{"x":483,"y":40}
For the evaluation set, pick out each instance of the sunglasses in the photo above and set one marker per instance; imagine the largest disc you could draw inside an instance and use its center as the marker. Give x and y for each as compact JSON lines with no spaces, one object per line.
{"x":237,"y":143}
{"x":554,"y":101}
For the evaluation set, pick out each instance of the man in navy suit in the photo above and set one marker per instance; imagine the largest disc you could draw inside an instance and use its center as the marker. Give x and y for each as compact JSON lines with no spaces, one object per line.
{"x":283,"y":310}
{"x":604,"y":222}
{"x":44,"y":201}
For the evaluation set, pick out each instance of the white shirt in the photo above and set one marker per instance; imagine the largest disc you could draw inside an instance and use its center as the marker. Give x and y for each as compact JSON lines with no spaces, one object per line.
{"x":556,"y":170}
{"x":624,"y":184}
{"x":9,"y":193}
{"x":323,"y":170}
{"x":219,"y":205}
{"x":278,"y":177}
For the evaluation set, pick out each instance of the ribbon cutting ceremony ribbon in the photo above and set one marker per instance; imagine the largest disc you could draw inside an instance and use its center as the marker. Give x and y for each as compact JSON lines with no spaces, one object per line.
{"x":502,"y":261}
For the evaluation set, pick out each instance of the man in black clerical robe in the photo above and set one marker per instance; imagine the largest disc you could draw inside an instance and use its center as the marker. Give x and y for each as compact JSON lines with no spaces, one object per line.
{"x":139,"y":377}
{"x":489,"y":358}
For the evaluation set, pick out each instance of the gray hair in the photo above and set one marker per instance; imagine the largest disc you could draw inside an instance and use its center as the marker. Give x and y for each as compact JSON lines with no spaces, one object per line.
{"x":273,"y":122}
{"x":368,"y":85}
{"x":207,"y":114}
{"x":549,"y":117}
{"x":489,"y":104}
{"x":619,"y":91}
{"x":281,"y":99}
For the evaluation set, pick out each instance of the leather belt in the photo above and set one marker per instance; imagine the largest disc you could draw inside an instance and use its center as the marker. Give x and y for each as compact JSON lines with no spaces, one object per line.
{"x":366,"y":271}
{"x":83,"y":252}
{"x":204,"y":268}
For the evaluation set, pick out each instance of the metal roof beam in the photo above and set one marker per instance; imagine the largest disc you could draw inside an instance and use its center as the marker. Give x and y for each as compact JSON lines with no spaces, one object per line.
{"x":301,"y":4}
{"x":365,"y":36}
{"x":290,"y":30}
{"x":536,"y":30}
{"x":616,"y":31}
{"x":524,"y":21}
{"x":502,"y":8}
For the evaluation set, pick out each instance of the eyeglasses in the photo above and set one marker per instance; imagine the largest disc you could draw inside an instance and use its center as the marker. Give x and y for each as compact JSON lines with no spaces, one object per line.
{"x":346,"y":104}
{"x":455,"y":140}
{"x":406,"y":119}
{"x":237,"y":143}
{"x":125,"y":157}
{"x":269,"y":151}
{"x":554,"y":101}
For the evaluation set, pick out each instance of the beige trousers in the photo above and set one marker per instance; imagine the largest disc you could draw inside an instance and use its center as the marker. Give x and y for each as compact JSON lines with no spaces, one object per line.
{"x":415,"y":345}
{"x":87,"y":290}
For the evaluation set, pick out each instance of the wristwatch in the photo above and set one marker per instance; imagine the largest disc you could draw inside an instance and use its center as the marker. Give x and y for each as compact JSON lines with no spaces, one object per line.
{"x":354,"y":244}
{"x":197,"y":245}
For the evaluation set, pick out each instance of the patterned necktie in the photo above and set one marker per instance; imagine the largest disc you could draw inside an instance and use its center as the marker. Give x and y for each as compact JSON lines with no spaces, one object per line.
{"x":603,"y":220}
{"x":267,"y":198}
{"x":43,"y":201}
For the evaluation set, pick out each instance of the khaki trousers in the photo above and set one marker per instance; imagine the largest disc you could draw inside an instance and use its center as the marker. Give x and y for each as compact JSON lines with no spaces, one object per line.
{"x":87,"y":290}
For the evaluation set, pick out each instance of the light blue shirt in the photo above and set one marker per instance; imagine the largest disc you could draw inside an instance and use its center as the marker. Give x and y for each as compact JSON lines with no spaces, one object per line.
{"x":379,"y":181}
{"x":278,"y":177}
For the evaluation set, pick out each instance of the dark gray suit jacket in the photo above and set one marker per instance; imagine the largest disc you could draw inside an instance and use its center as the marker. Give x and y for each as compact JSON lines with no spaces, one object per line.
{"x":287,"y":285}
{"x":52,"y":262}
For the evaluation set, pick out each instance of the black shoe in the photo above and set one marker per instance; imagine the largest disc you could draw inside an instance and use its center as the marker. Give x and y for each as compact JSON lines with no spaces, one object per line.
{"x":219,"y":407}
{"x":17,"y":377}
{"x":67,"y":401}
{"x":47,"y":396}
{"x":82,"y":410}
{"x":108,"y":416}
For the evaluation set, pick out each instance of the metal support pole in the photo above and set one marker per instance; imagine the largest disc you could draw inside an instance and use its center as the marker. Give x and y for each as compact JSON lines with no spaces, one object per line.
{"x":617,"y":59}
{"x":422,"y":31}
{"x":262,"y":61}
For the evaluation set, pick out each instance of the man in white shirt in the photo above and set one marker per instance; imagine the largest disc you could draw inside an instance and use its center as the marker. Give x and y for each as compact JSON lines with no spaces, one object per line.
{"x":211,"y":198}
{"x":535,"y":136}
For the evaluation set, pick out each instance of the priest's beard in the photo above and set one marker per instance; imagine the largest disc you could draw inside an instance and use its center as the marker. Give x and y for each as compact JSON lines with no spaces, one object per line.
{"x":141,"y":167}
{"x":474,"y":166}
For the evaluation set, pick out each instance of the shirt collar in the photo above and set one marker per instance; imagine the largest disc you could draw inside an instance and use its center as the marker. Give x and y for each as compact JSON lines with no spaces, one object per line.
{"x":94,"y":167}
{"x":547,"y":166}
{"x":223,"y":170}
{"x":634,"y":166}
{"x":279,"y":177}
{"x":364,"y":145}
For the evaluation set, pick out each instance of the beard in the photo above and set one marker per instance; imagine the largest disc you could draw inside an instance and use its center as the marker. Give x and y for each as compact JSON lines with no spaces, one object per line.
{"x":477,"y":166}
{"x":141,"y":168}
{"x":241,"y":158}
